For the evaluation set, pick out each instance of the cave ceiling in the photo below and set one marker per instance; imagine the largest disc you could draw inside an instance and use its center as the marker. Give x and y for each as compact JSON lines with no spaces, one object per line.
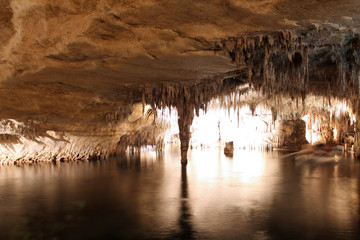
{"x":65,"y":65}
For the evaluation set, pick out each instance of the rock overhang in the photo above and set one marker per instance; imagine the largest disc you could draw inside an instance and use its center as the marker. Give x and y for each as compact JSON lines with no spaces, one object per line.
{"x":69,"y":64}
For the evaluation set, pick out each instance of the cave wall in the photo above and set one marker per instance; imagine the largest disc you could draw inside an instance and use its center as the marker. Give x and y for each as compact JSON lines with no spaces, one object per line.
{"x":28,"y":142}
{"x":72,"y":72}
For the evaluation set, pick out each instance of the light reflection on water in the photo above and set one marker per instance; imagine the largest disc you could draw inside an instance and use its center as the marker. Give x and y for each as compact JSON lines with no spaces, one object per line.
{"x":253,"y":195}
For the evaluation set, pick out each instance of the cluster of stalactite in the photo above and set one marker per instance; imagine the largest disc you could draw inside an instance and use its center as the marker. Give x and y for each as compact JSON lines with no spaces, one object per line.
{"x":147,"y":129}
{"x":284,"y":63}
{"x":294,"y":64}
{"x":276,"y":72}
{"x":118,"y":115}
{"x":324,"y":126}
{"x":299,"y":63}
{"x":152,"y":135}
{"x":188,"y":98}
{"x":197,"y":93}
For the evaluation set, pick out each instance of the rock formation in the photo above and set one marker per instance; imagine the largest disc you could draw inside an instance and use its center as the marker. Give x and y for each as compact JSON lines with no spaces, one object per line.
{"x":73,"y":74}
{"x":292,"y":133}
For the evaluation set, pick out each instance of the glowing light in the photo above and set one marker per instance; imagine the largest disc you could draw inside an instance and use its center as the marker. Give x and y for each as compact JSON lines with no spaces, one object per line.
{"x":312,"y":134}
{"x":170,"y":116}
{"x":251,"y":166}
{"x":253,"y":129}
{"x":218,"y":126}
{"x":314,"y":122}
{"x":209,"y":165}
{"x":335,"y":133}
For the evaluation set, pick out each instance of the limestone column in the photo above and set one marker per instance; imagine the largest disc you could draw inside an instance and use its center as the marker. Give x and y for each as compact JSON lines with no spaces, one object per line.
{"x":185,"y":118}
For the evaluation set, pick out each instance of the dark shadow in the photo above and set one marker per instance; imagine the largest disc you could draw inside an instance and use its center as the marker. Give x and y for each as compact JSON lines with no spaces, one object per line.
{"x":129,"y":161}
{"x":185,"y":218}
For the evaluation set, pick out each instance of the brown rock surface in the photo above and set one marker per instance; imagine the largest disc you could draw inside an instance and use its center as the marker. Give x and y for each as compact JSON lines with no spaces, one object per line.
{"x":71,"y":69}
{"x":292,"y":133}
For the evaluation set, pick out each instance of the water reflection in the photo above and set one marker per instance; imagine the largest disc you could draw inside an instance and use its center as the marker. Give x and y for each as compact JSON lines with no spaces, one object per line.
{"x":253,"y":195}
{"x":185,"y":221}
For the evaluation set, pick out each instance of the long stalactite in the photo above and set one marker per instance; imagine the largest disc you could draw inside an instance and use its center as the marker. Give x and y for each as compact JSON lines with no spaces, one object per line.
{"x":293,"y":64}
{"x":284,"y":63}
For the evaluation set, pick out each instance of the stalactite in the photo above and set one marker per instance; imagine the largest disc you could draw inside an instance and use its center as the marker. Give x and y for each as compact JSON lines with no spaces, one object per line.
{"x":291,"y":64}
{"x":190,"y":97}
{"x":279,"y":63}
{"x":186,"y":116}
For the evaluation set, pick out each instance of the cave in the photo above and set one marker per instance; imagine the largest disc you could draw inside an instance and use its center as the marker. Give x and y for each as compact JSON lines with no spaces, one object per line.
{"x":73,"y":73}
{"x":84,"y":82}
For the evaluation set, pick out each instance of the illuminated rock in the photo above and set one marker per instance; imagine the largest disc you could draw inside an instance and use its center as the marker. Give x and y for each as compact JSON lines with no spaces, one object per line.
{"x":229,"y":149}
{"x":71,"y":71}
{"x":292,"y":134}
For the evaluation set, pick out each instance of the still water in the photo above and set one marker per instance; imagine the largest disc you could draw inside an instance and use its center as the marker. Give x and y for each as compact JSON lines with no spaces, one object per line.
{"x":253,"y":195}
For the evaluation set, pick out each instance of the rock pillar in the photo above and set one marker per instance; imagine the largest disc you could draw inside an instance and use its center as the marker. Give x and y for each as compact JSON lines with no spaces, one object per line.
{"x":292,"y":133}
{"x":185,"y":118}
